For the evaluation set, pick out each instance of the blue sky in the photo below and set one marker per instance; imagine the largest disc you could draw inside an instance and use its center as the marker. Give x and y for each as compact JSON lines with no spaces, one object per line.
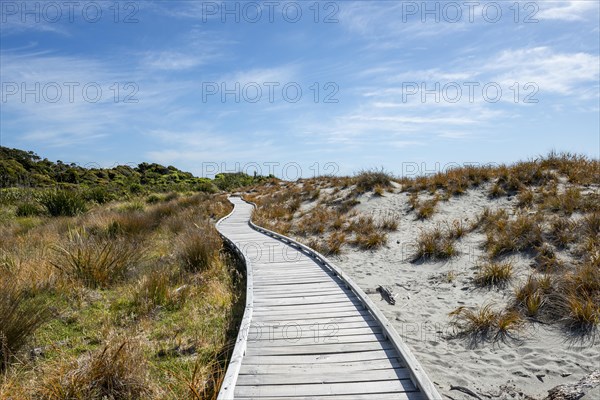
{"x":389,"y":84}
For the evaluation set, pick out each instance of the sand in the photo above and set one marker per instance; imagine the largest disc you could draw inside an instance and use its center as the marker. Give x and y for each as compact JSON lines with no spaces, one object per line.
{"x":538,"y":359}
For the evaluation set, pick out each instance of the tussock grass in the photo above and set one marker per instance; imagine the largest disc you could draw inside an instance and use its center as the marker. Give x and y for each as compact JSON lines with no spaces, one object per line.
{"x":388,"y":223}
{"x":370,"y":240}
{"x":524,"y":232}
{"x":572,"y":299}
{"x":426,"y":209}
{"x":546,"y":259}
{"x":494,"y":274}
{"x":566,"y":203}
{"x":562,"y":232}
{"x":525,"y":198}
{"x":378,"y":191}
{"x":485,"y":322}
{"x":156,"y":289}
{"x":20,"y":316}
{"x":335,"y":241}
{"x":533,"y":294}
{"x":117,"y":371}
{"x":95,"y":261}
{"x":368,"y":180}
{"x":199,"y":248}
{"x":435,"y":245}
{"x":86,"y":266}
{"x":456,"y":229}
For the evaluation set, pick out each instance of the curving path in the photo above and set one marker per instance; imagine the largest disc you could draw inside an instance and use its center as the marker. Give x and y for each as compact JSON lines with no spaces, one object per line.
{"x":308,"y":331}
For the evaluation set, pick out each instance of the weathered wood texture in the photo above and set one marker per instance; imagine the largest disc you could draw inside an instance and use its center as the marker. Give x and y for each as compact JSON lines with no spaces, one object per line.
{"x":308,"y":331}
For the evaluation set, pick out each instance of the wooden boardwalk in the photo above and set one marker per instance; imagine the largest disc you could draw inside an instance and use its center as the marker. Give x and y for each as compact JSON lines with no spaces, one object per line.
{"x":308,"y":331}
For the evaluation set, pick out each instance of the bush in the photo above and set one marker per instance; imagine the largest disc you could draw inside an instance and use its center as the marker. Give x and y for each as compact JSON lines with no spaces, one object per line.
{"x":28,"y":210}
{"x":99,"y":194}
{"x":153,"y":199}
{"x":63,"y":203}
{"x":20,"y":317}
{"x":94,"y":261}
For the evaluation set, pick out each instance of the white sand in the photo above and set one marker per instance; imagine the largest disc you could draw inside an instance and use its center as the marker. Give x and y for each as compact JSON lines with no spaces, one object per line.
{"x":425,"y":297}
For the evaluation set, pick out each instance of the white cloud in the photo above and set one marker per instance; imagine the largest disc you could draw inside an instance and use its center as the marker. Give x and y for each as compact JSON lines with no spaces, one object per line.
{"x":563,"y":73}
{"x":172,"y":60}
{"x":574,"y":10}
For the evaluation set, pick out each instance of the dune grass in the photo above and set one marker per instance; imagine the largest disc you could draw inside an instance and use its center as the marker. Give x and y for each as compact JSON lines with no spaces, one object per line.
{"x":434,"y":244}
{"x":494,"y":274}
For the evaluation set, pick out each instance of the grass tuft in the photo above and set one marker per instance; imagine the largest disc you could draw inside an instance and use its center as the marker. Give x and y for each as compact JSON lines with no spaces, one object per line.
{"x":116,"y":371}
{"x":494,"y":274}
{"x":96,"y":261}
{"x":434,"y":245}
{"x":199,"y":248}
{"x":368,"y":180}
{"x":20,"y":316}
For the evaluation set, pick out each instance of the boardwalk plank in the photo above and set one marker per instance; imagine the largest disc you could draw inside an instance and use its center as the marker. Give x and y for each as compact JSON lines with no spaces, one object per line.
{"x":349,"y":388}
{"x":332,"y":376}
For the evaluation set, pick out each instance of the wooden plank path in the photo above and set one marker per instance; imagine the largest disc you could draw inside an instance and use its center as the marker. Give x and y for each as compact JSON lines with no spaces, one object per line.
{"x":308,"y":331}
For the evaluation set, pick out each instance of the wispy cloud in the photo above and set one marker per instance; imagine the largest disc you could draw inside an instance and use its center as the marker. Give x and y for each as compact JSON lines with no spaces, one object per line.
{"x":574,"y":10}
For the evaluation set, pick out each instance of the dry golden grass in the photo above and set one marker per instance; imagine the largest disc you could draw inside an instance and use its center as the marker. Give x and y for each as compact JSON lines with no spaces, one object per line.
{"x":368,"y":180}
{"x":561,"y":232}
{"x":116,"y":371}
{"x":370,"y":240}
{"x":532,"y":295}
{"x":199,"y":248}
{"x":435,"y":245}
{"x":485,"y":323}
{"x":388,"y":223}
{"x":426,"y":209}
{"x":95,"y":261}
{"x":522,"y":233}
{"x":494,"y":274}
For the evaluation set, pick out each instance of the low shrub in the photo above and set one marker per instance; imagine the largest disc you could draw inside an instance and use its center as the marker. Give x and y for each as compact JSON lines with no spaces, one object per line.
{"x":28,"y":210}
{"x":63,"y":203}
